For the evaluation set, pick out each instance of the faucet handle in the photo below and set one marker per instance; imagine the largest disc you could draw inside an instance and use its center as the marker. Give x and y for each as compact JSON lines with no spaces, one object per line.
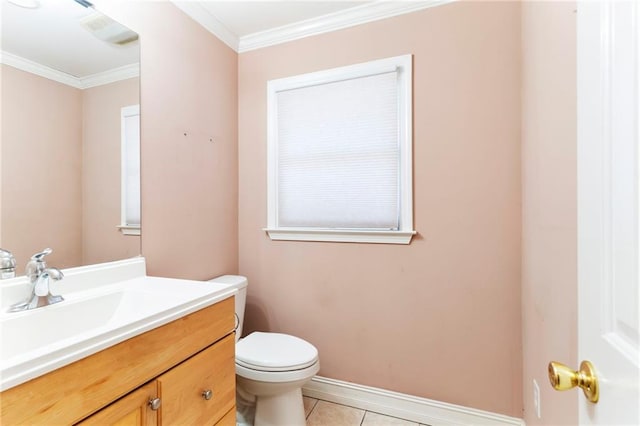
{"x":38,"y":257}
{"x":42,"y":286}
{"x":36,"y":265}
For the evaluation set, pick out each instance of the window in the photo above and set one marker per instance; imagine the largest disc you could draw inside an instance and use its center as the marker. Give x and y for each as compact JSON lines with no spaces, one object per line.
{"x":339,"y":154}
{"x":130,"y":166}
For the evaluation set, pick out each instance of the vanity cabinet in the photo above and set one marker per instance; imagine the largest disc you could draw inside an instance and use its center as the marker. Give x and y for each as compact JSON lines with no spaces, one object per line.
{"x":177,"y":362}
{"x":192,"y":393}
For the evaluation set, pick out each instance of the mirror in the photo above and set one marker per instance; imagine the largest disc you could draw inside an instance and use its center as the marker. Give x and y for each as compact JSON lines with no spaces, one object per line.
{"x":69,"y":147}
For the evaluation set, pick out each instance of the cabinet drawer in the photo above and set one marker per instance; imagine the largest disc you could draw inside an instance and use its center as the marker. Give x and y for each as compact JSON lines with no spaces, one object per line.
{"x":181,"y":388}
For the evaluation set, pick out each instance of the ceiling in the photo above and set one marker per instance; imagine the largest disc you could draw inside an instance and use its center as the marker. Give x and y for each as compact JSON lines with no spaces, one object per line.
{"x":52,"y":35}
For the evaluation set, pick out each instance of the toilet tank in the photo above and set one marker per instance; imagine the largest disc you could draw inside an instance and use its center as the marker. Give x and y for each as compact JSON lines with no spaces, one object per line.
{"x":240,"y":284}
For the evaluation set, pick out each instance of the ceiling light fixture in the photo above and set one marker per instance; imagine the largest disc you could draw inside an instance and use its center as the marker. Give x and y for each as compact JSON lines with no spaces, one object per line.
{"x":106,"y":29}
{"x":26,"y":4}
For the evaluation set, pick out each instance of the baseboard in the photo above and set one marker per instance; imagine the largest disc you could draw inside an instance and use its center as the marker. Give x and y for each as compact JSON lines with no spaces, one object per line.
{"x":415,"y":409}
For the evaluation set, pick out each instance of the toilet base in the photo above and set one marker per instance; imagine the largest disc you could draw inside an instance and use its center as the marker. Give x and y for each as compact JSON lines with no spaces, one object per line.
{"x":278,"y":396}
{"x":278,"y":410}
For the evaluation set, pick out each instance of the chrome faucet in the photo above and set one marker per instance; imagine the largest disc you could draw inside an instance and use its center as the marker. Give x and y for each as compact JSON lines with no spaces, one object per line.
{"x":7,"y":264}
{"x":40,"y":277}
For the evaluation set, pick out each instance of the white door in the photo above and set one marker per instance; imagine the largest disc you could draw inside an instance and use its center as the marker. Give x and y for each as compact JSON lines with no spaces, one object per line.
{"x":608,"y":207}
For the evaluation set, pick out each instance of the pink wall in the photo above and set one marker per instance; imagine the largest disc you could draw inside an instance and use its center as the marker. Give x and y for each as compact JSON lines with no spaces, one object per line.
{"x":189,"y":184}
{"x":450,"y":300}
{"x":549,"y":252}
{"x":41,"y":168}
{"x":101,"y":178}
{"x":435,"y":318}
{"x":439,"y":318}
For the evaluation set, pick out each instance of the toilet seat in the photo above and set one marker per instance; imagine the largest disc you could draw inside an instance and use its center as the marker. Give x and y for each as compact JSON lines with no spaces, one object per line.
{"x":302,"y":375}
{"x":275,"y":352}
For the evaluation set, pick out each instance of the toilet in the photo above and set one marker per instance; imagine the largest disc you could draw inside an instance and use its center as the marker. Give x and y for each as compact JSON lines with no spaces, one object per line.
{"x":271,"y":369}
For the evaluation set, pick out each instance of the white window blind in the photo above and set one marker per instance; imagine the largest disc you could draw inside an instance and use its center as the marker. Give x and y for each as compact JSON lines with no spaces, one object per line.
{"x":339,"y":154}
{"x":130,"y":161}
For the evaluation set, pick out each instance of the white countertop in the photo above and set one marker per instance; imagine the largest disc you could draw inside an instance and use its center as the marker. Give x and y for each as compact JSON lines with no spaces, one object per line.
{"x":104,"y":305}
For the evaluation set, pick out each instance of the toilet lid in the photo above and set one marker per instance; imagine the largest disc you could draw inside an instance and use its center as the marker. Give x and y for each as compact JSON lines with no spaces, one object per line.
{"x":275,"y":352}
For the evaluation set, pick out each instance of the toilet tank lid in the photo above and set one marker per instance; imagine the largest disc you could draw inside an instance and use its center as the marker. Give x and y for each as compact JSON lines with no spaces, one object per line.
{"x":237,"y":281}
{"x":275,"y":352}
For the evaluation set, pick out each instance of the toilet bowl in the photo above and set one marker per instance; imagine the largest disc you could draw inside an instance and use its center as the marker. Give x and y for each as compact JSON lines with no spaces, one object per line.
{"x":271,"y":369}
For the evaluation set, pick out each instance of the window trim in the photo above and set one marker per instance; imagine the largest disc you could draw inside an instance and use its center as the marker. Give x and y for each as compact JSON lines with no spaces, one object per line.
{"x":340,"y":235}
{"x":403,"y":66}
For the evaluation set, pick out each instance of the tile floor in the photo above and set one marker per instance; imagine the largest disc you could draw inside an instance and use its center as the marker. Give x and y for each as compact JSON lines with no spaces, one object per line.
{"x":323,"y":413}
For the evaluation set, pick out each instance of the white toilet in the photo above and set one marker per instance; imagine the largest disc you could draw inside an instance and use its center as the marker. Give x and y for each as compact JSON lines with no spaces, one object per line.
{"x":271,"y":369}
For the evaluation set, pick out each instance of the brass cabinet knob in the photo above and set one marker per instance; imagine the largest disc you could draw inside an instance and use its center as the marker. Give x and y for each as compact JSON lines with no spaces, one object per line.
{"x":155,"y":403}
{"x":564,"y":378}
{"x":207,"y":394}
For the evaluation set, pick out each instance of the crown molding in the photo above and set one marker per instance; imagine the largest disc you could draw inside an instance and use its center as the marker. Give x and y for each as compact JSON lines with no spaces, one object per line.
{"x":110,"y":76}
{"x":106,"y":77}
{"x":362,"y":14}
{"x":39,"y":69}
{"x":209,"y":21}
{"x":334,"y":21}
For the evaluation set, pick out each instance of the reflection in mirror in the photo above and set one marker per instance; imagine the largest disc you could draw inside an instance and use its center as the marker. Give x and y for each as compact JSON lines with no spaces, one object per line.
{"x":69,"y":146}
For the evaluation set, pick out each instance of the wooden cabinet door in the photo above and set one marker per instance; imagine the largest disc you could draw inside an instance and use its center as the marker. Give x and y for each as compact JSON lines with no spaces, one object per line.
{"x":181,"y":388}
{"x":131,"y":410}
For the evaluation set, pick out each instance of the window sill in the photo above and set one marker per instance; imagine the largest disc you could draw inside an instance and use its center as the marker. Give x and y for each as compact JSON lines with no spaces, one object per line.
{"x":340,"y":236}
{"x":129,"y":229}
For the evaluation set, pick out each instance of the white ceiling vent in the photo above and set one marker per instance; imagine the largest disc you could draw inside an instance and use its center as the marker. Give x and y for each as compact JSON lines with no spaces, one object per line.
{"x":106,"y":29}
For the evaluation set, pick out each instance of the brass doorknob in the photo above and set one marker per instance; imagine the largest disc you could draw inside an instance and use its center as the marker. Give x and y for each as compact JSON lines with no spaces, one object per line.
{"x":564,"y":378}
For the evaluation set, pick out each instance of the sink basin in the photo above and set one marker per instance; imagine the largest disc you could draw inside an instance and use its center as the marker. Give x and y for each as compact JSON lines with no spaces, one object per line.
{"x":29,"y":331}
{"x":91,"y":319}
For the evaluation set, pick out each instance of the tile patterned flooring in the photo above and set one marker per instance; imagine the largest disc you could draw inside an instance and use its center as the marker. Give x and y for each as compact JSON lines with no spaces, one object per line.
{"x":323,"y":413}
